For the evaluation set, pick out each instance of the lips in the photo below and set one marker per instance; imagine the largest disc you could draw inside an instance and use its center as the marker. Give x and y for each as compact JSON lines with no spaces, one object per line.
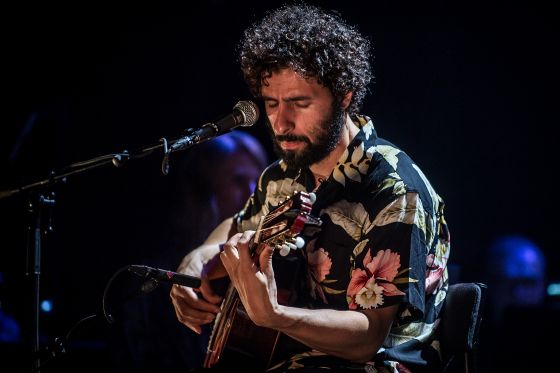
{"x":290,"y":145}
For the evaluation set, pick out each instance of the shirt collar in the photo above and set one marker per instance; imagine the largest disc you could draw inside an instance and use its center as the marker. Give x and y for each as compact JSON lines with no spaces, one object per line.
{"x":355,"y":160}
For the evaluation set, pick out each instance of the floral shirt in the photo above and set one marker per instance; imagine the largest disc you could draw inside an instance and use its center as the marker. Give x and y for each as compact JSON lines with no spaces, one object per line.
{"x":383,"y":241}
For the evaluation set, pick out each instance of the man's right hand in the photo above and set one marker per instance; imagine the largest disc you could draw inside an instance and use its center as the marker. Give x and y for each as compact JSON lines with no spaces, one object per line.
{"x":194,"y":309}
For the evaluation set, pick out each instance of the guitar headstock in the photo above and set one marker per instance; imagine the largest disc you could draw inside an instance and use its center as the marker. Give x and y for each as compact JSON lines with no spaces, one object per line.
{"x":281,"y":226}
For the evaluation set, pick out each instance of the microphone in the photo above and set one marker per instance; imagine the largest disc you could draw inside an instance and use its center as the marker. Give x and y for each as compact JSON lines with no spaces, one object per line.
{"x":156,"y":275}
{"x":245,"y":114}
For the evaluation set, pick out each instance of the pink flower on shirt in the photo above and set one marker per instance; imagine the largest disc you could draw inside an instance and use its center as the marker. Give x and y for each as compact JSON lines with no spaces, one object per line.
{"x":434,"y":275}
{"x":319,"y":263}
{"x":368,"y":286}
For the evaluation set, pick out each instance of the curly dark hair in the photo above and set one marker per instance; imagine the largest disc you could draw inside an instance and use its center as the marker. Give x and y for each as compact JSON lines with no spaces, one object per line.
{"x":313,"y":43}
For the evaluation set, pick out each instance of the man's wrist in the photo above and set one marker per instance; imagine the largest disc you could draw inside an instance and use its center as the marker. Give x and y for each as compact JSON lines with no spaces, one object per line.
{"x":283,"y":318}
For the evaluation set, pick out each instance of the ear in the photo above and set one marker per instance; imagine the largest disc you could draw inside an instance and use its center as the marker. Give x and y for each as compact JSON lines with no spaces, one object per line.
{"x":346,"y":100}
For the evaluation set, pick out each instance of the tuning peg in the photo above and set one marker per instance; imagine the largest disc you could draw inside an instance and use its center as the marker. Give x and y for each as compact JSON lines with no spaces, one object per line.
{"x":312,"y":198}
{"x":299,"y":242}
{"x":285,"y":250}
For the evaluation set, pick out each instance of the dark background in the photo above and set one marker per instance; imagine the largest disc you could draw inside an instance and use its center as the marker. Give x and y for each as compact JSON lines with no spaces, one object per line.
{"x":471,"y":98}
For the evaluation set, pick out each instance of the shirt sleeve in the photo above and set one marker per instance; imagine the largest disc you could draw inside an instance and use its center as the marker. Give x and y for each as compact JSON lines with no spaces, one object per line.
{"x":255,"y":207}
{"x":389,"y":262}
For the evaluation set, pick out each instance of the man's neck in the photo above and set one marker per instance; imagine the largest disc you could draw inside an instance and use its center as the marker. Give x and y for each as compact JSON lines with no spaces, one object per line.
{"x":323,"y":169}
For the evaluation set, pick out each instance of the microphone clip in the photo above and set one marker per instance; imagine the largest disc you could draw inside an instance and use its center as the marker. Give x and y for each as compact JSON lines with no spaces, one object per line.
{"x":156,"y":275}
{"x":192,"y":137}
{"x":245,"y":114}
{"x":149,"y":274}
{"x":149,"y":285}
{"x":195,"y":136}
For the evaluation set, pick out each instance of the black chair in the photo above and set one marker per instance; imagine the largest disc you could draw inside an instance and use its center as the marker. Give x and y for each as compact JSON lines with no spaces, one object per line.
{"x":460,"y":324}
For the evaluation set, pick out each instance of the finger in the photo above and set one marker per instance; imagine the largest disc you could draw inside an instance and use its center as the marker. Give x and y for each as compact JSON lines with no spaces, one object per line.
{"x":265,"y":260}
{"x":244,"y":245}
{"x":192,"y":322}
{"x":230,"y":255}
{"x":231,"y":245}
{"x":230,"y":258}
{"x":246,"y":239}
{"x":182,"y":294}
{"x":226,"y":261}
{"x":230,"y":248}
{"x":194,"y":317}
{"x":195,"y":328}
{"x":191,"y":317}
{"x":186,"y":297}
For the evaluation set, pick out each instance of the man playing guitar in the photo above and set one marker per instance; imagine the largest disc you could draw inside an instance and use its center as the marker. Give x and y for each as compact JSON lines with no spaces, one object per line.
{"x":377,"y":273}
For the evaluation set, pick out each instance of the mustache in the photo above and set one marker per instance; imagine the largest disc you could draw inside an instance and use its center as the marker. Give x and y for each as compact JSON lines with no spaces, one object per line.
{"x":291,"y":137}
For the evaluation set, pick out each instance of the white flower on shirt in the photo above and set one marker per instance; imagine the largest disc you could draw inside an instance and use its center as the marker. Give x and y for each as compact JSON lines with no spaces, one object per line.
{"x":370,"y":296}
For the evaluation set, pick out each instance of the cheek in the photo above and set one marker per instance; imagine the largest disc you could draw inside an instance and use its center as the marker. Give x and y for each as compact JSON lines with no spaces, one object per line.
{"x":271,"y":118}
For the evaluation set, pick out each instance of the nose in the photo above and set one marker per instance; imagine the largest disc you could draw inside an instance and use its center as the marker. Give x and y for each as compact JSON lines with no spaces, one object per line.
{"x":281,"y":119}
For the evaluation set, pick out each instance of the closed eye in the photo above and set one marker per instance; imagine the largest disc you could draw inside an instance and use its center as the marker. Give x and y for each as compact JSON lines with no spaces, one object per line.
{"x":302,"y":104}
{"x":271,"y":104}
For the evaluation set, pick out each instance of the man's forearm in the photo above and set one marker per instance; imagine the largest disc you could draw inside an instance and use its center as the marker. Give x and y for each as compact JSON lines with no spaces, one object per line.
{"x":207,"y":253}
{"x":352,"y":335}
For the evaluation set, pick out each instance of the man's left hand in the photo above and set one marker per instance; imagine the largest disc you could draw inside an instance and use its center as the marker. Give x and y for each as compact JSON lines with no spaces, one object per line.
{"x":253,"y":280}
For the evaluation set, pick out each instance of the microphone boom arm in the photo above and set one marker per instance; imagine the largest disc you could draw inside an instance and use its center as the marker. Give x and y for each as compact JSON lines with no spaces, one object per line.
{"x":246,"y":113}
{"x":192,"y":137}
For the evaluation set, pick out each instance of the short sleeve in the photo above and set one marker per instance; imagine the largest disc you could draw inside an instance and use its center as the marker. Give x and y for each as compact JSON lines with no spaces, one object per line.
{"x":389,"y":261}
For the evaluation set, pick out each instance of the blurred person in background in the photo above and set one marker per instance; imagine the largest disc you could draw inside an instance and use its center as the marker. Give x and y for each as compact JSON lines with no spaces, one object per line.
{"x":517,"y":322}
{"x":516,"y":275}
{"x":149,"y":339}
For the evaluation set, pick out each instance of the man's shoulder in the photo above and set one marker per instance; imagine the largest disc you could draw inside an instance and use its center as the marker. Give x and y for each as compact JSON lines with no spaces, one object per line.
{"x":394,"y":173}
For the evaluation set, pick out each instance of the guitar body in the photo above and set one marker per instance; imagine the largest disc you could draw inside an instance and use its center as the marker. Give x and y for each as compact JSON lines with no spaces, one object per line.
{"x":234,"y":336}
{"x":250,"y":343}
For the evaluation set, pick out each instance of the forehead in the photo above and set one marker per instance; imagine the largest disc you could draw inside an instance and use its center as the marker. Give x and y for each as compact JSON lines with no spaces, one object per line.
{"x":288,"y":83}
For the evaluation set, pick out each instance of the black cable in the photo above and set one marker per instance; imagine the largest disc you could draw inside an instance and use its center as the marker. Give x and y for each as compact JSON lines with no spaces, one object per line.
{"x":58,"y":347}
{"x":106,"y":314}
{"x":67,"y":337}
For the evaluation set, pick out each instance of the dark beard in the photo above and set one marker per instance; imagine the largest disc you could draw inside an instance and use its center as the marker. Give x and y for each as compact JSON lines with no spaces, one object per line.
{"x":325,"y":143}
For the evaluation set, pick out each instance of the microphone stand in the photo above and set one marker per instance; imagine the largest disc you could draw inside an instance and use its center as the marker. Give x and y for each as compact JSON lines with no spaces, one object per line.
{"x":40,"y":196}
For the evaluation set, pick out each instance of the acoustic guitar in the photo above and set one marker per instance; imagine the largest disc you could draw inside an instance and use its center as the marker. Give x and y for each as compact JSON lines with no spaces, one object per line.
{"x":233,"y":330}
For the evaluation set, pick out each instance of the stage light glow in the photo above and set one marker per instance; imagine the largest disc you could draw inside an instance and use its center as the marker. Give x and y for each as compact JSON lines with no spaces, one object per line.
{"x":46,"y":306}
{"x":553,"y":289}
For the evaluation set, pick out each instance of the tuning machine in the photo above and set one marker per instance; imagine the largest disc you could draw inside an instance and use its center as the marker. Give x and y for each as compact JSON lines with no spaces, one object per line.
{"x":312,"y":197}
{"x":291,"y":244}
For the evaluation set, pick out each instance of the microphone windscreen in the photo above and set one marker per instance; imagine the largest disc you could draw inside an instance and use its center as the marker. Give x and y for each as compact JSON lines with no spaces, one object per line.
{"x":250,"y":112}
